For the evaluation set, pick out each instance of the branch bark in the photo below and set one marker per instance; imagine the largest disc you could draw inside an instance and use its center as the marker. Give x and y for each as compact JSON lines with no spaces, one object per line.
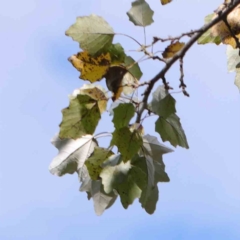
{"x":221,"y":16}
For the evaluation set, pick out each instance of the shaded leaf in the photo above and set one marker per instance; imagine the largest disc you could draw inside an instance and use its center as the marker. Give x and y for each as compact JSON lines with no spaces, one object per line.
{"x":133,"y":67}
{"x":72,"y":154}
{"x":207,"y":36}
{"x":114,"y":175}
{"x":163,"y":103}
{"x":128,"y":190}
{"x":172,"y":49}
{"x":94,"y":162}
{"x":150,"y":204}
{"x":140,"y":13}
{"x":84,"y":112}
{"x":117,"y":54}
{"x":114,"y":79}
{"x":123,"y":113}
{"x":92,"y":68}
{"x":92,"y":32}
{"x":170,"y":129}
{"x":128,"y":142}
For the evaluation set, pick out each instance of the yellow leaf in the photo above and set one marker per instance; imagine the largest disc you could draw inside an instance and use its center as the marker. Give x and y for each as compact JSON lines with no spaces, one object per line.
{"x":172,"y":49}
{"x":165,"y":1}
{"x":92,"y":68}
{"x":98,"y":95}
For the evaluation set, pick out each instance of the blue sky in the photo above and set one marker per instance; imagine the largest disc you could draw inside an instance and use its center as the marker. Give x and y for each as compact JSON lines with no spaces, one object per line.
{"x":202,"y":201}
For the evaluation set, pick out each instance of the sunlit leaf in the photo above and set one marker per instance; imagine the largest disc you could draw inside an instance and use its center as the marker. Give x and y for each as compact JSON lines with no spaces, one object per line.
{"x":84,"y":112}
{"x":123,"y":113}
{"x":170,"y":129}
{"x":207,"y":37}
{"x":237,"y":79}
{"x":72,"y":154}
{"x":128,"y":142}
{"x":94,"y":162}
{"x":101,"y":199}
{"x":172,"y":49}
{"x":140,"y":13}
{"x":92,"y":32}
{"x":163,"y":103}
{"x":92,"y":68}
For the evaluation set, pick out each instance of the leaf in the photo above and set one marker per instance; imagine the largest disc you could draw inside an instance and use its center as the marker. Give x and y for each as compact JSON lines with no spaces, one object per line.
{"x":92,"y":68}
{"x":170,"y":129}
{"x":153,"y":148}
{"x":207,"y":36}
{"x":72,"y":154}
{"x":163,"y":2}
{"x":233,"y":58}
{"x":117,"y":54}
{"x":114,"y":79}
{"x":140,"y":13}
{"x":237,"y":79}
{"x":233,"y":62}
{"x":133,"y":67}
{"x":172,"y":49}
{"x":129,"y":83}
{"x":128,"y":190}
{"x":163,"y":103}
{"x":150,"y":204}
{"x":84,"y":112}
{"x":84,"y":177}
{"x":101,"y":199}
{"x":94,"y":162}
{"x":113,"y":175}
{"x":127,"y":142}
{"x":123,"y":113}
{"x":92,"y":32}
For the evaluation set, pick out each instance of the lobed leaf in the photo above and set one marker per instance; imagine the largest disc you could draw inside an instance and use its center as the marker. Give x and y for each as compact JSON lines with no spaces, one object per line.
{"x":170,"y":129}
{"x":72,"y":154}
{"x":93,"y":33}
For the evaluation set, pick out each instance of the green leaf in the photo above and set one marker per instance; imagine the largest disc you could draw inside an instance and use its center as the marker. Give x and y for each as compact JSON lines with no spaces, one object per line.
{"x":123,"y":113}
{"x":84,"y":112}
{"x":140,"y":13}
{"x":170,"y":129}
{"x":135,"y":69}
{"x":128,"y":190}
{"x":163,"y":103}
{"x":72,"y":154}
{"x":114,"y":175}
{"x":117,"y":53}
{"x":92,"y":32}
{"x":150,"y":204}
{"x":207,"y":37}
{"x":101,"y":199}
{"x":128,"y":142}
{"x":94,"y":162}
{"x":153,"y":148}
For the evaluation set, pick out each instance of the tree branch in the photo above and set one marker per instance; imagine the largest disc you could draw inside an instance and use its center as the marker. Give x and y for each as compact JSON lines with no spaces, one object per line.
{"x":222,"y":15}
